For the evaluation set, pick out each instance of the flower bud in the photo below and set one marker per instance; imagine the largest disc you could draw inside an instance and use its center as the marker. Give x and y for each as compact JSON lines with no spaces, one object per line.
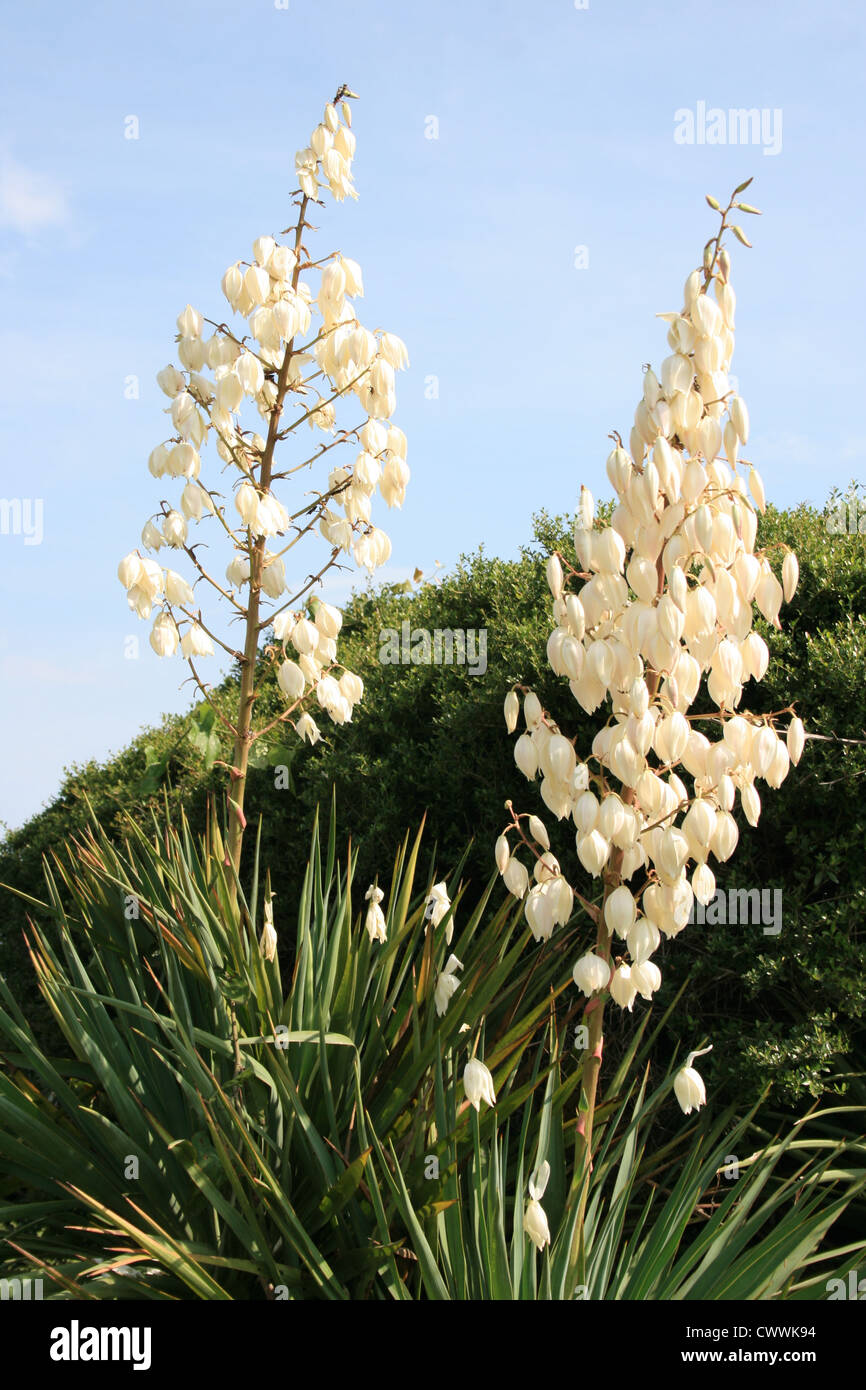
{"x":725,"y":836}
{"x":739,"y":417}
{"x":703,"y":884}
{"x":526,"y":757}
{"x":538,"y":831}
{"x":268,"y":940}
{"x":233,"y":285}
{"x":190,"y":323}
{"x":247,"y":501}
{"x":532,"y":711}
{"x":796,"y":740}
{"x":756,"y":488}
{"x":502,"y":853}
{"x":751,"y":803}
{"x":554,"y":575}
{"x":790,"y":575}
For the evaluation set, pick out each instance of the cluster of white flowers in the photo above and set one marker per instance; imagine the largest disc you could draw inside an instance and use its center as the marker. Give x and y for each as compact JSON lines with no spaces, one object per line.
{"x":328,"y":157}
{"x":315,"y":646}
{"x":663,"y":597}
{"x":270,"y":364}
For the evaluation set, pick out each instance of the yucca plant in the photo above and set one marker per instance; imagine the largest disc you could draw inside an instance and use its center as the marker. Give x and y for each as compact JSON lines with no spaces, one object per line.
{"x":206,"y":1124}
{"x":671,"y":1221}
{"x":213,"y":1133}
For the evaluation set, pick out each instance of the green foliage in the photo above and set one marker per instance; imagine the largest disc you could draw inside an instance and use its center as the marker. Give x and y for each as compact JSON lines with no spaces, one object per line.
{"x":791,"y":1006}
{"x":313,"y":1141}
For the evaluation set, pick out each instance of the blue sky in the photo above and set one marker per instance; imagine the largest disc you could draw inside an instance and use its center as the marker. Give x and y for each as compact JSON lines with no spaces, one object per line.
{"x":555,"y":130}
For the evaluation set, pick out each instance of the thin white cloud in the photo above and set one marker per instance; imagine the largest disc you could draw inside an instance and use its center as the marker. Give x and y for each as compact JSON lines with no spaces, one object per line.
{"x":29,"y":200}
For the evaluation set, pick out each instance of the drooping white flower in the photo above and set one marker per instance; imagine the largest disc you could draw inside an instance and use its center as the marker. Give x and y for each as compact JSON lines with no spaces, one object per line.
{"x":194,"y":502}
{"x":591,"y":973}
{"x":163,"y":637}
{"x":535,"y":1222}
{"x":151,"y":536}
{"x":308,"y":729}
{"x":183,"y":414}
{"x":623,"y":988}
{"x":446,"y":984}
{"x":516,"y":877}
{"x":171,"y":381}
{"x":393,"y":350}
{"x":620,"y":911}
{"x":177,"y":590}
{"x":196,"y":642}
{"x":238,"y":571}
{"x":273,"y":576}
{"x":351,"y":687}
{"x":129,"y":570}
{"x":354,"y":280}
{"x":478,"y":1084}
{"x":689,"y":1085}
{"x":540,"y":910}
{"x":291,"y":680}
{"x":375,"y":919}
{"x":646,"y":977}
{"x":436,"y":907}
{"x":174,"y":530}
{"x":304,"y":636}
{"x":328,"y":619}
